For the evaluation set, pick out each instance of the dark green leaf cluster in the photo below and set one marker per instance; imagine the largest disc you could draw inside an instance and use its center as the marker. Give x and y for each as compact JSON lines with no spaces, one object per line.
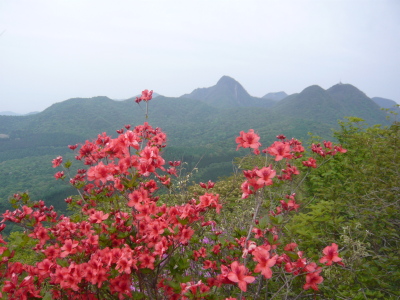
{"x":356,"y":205}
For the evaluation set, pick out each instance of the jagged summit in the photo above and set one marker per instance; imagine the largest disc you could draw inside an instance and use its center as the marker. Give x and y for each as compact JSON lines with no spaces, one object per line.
{"x":226,"y":80}
{"x":227,"y":93}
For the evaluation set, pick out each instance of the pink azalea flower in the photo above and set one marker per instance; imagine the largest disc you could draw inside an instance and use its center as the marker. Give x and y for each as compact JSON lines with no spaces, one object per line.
{"x":98,"y":217}
{"x":311,"y":163}
{"x":238,"y":275}
{"x":266,"y":174}
{"x":312,"y":280}
{"x":57,"y":161}
{"x":280,"y":150}
{"x":101,"y":173}
{"x":248,"y":140}
{"x":265,"y":262}
{"x":146,"y":96}
{"x":331,"y":255}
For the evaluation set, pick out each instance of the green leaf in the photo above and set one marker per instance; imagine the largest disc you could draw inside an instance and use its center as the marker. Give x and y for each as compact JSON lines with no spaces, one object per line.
{"x":263,"y":223}
{"x":138,"y":295}
{"x":6,"y":253}
{"x":183,"y":221}
{"x":62,"y":263}
{"x":123,"y":235}
{"x":68,"y":164}
{"x":174,"y":284}
{"x":183,"y":263}
{"x":47,"y":296}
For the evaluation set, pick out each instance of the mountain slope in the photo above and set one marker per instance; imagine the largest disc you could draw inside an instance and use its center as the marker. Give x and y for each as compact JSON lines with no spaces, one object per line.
{"x":387,"y":104}
{"x":227,"y":93}
{"x":85,"y":118}
{"x":328,"y":106}
{"x":199,"y":131}
{"x":312,"y":103}
{"x":198,"y":134}
{"x":355,"y":103}
{"x":8,"y":113}
{"x":275,"y":96}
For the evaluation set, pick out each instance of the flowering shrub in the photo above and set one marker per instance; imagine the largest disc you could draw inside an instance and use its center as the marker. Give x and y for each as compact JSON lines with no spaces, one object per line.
{"x":124,"y":242}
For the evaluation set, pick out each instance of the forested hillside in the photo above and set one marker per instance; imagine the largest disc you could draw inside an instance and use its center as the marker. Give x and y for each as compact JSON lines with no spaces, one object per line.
{"x":328,"y":106}
{"x":201,"y":128}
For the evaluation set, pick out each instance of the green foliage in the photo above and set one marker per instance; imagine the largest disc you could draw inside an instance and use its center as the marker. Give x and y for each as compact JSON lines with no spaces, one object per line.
{"x":22,"y":245}
{"x":340,"y":199}
{"x":356,"y":205}
{"x":33,"y":174}
{"x":201,"y":135}
{"x":351,"y":199}
{"x":329,"y":106}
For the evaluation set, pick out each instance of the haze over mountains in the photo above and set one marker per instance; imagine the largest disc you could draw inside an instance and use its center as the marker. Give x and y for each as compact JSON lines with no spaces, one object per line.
{"x":201,"y":127}
{"x":225,"y":106}
{"x":221,"y":110}
{"x":227,"y":93}
{"x":11,"y":113}
{"x":275,"y":96}
{"x":230,"y":93}
{"x":386,"y":103}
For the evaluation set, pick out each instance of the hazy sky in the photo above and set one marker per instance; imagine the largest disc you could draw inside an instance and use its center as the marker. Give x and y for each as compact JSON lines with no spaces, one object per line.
{"x":53,"y":50}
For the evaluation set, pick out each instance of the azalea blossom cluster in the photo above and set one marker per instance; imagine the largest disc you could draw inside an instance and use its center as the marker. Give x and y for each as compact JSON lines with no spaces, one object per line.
{"x":146,"y":96}
{"x":227,"y":270}
{"x":126,"y":242}
{"x":123,"y":230}
{"x":281,"y":149}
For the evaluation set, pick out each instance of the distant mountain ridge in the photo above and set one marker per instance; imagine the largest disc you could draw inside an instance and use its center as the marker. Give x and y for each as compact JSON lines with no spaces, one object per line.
{"x":155,"y":95}
{"x":387,"y":104}
{"x":275,"y":96}
{"x":8,"y":113}
{"x":201,"y":128}
{"x":330,"y":105}
{"x":312,"y":104}
{"x":230,"y":93}
{"x":11,"y":113}
{"x":227,"y":93}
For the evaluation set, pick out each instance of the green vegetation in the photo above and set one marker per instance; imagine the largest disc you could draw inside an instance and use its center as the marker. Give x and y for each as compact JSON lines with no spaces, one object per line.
{"x":201,"y":130}
{"x":351,"y":200}
{"x":355,"y":203}
{"x":200,"y":135}
{"x":329,"y":106}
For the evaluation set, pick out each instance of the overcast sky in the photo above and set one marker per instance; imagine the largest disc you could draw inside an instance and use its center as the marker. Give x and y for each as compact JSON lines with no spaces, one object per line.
{"x":53,"y":50}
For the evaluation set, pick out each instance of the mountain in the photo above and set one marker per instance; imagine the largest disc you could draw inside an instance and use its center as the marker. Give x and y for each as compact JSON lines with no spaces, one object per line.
{"x":8,"y":113}
{"x":227,"y":93}
{"x":201,"y":135}
{"x":387,"y":104}
{"x":155,"y":95}
{"x":275,"y":96}
{"x":201,"y":129}
{"x":355,"y":103}
{"x":84,"y":118}
{"x":11,"y":113}
{"x":328,"y":106}
{"x":32,"y":113}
